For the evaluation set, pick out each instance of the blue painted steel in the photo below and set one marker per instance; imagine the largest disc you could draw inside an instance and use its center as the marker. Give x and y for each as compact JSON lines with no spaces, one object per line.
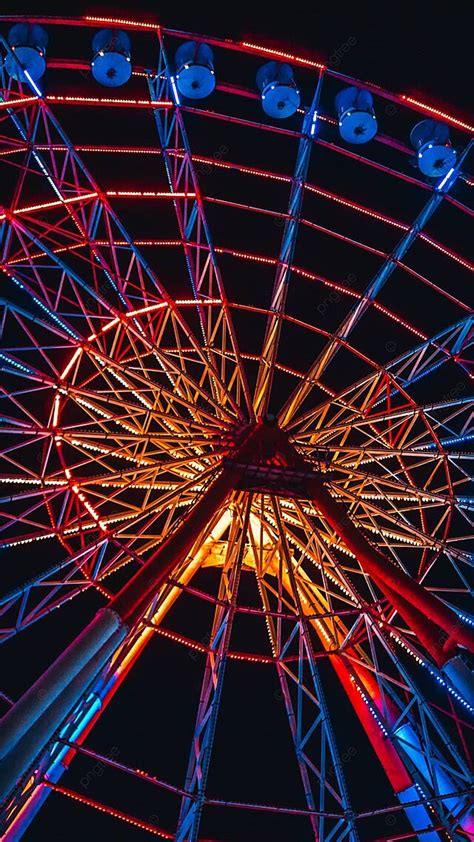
{"x":195,"y":77}
{"x":28,"y":44}
{"x":461,"y":676}
{"x":51,"y":766}
{"x":434,"y":773}
{"x":112,"y":63}
{"x":418,"y":815}
{"x":286,"y":256}
{"x":28,"y":726}
{"x":355,"y":109}
{"x":280,"y":96}
{"x":20,"y":596}
{"x":31,"y":706}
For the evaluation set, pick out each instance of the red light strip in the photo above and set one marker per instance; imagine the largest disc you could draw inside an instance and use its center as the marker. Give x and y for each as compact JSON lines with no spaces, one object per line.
{"x":110,"y":811}
{"x":360,"y":208}
{"x":233,"y":166}
{"x":149,"y":194}
{"x":430,"y":110}
{"x":399,"y":320}
{"x":331,"y":233}
{"x":192,"y":644}
{"x":447,"y":252}
{"x":131,"y":150}
{"x":88,"y":100}
{"x":311,"y":188}
{"x":279,"y":54}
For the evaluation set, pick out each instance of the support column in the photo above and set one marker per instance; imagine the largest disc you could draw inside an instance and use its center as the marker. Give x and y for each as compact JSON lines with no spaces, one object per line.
{"x":392,"y":581}
{"x":29,"y":725}
{"x":404,"y":737}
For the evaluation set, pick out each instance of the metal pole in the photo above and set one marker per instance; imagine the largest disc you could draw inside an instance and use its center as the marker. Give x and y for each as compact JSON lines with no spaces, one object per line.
{"x":33,"y":720}
{"x":393,"y":581}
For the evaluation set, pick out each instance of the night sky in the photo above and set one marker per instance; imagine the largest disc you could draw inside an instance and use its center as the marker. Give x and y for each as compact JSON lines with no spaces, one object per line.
{"x":404,"y":47}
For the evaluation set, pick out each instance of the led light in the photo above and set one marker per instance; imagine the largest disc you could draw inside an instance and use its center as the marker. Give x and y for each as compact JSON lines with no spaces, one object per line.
{"x":445,"y":179}
{"x":26,"y":100}
{"x":47,"y":205}
{"x":453,"y":120}
{"x":150,"y":194}
{"x":110,"y":811}
{"x":32,"y":82}
{"x":279,"y":54}
{"x":451,"y":254}
{"x":122,"y":22}
{"x":175,"y":90}
{"x":94,"y":100}
{"x":360,"y":208}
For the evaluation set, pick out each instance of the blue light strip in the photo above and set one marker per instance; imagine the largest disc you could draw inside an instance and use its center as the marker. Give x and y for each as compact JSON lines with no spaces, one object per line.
{"x":46,"y":309}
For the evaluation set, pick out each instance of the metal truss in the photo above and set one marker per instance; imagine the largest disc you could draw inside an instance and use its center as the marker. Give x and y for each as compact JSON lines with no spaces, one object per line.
{"x":131,"y":451}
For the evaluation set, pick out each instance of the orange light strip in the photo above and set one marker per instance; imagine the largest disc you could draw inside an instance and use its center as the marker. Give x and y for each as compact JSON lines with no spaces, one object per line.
{"x":429,"y":108}
{"x":47,"y":205}
{"x":110,"y":811}
{"x":23,"y":101}
{"x":280,"y":54}
{"x":98,"y":100}
{"x":122,"y":22}
{"x":13,"y":150}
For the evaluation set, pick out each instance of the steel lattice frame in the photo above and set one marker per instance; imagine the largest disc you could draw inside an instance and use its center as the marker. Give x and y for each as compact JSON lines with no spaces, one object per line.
{"x":124,"y":401}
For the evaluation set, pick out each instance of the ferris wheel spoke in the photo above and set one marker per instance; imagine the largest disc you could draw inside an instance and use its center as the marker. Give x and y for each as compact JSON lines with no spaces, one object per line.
{"x":205,"y":275}
{"x":271,"y":340}
{"x":404,"y":689}
{"x":133,"y":326}
{"x":356,"y":407}
{"x":385,"y":708}
{"x":86,"y":710}
{"x":49,"y":590}
{"x":108,"y":271}
{"x":301,"y":689}
{"x":324,"y":359}
{"x":141,"y":459}
{"x":383,"y":712}
{"x":450,"y":343}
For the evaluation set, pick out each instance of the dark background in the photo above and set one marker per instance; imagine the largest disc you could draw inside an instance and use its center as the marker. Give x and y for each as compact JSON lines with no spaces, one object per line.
{"x":406,"y":47}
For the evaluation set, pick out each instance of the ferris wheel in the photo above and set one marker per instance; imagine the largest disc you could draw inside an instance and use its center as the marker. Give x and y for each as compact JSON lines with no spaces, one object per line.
{"x":236,"y":429}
